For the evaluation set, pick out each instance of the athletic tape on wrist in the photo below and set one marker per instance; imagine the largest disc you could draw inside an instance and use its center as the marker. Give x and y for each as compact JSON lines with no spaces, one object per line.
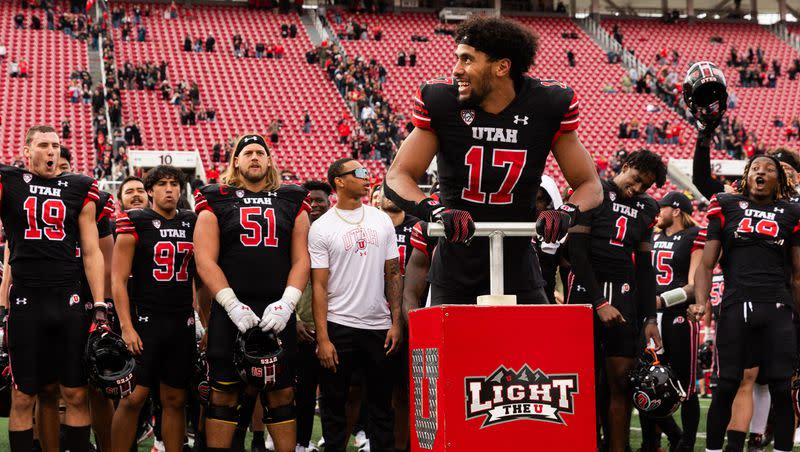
{"x":292,"y":295}
{"x":674,"y":296}
{"x":226,"y":297}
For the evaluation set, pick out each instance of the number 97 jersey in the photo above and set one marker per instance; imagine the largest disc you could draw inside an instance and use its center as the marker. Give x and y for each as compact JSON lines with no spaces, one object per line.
{"x":163,"y":262}
{"x":255,"y":236}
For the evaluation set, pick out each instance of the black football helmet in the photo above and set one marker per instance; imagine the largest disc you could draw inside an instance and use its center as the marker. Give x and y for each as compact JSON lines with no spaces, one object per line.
{"x":200,"y":381}
{"x":705,"y":355}
{"x":705,"y":93}
{"x":258,"y":357}
{"x":109,"y":363}
{"x":656,"y":390}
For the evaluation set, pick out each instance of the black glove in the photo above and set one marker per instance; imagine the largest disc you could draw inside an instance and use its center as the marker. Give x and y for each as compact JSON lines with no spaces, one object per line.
{"x":99,"y":316}
{"x":458,"y":224}
{"x":552,"y":225}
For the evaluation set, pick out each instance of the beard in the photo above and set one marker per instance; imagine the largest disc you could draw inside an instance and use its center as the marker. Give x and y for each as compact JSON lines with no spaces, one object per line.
{"x":254,"y":176}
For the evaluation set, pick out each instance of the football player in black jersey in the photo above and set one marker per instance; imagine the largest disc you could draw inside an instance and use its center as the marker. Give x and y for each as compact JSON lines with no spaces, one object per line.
{"x":154,"y":246}
{"x":251,"y":229}
{"x":132,"y":194}
{"x":755,"y":231}
{"x":491,"y":128}
{"x":674,"y":258}
{"x":45,"y":215}
{"x":600,"y":249}
{"x":102,"y":408}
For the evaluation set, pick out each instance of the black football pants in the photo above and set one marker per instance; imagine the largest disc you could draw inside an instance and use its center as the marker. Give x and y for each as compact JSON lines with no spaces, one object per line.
{"x":358,"y":348}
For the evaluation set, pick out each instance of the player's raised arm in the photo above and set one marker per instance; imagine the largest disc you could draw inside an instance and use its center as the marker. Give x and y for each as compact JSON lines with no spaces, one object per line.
{"x":579,"y":171}
{"x":410,"y":163}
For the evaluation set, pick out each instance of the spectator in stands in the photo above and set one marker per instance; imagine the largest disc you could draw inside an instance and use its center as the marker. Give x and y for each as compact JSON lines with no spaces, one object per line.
{"x":13,"y":69}
{"x":292,"y":31}
{"x":732,"y":100}
{"x":633,"y":130}
{"x":215,"y":152}
{"x":19,"y":21}
{"x":734,"y":58}
{"x":412,"y":57}
{"x":377,"y":33}
{"x":65,"y":129}
{"x":617,"y":34}
{"x":212,"y":174}
{"x":210,"y":42}
{"x":273,"y":130}
{"x":778,"y":122}
{"x":280,"y":52}
{"x":776,"y":67}
{"x":198,"y":45}
{"x":571,"y":58}
{"x":772,"y":80}
{"x":306,"y":123}
{"x":132,"y":134}
{"x":260,"y":50}
{"x":141,"y":34}
{"x":211,"y":114}
{"x":3,"y":52}
{"x":343,"y":129}
{"x":36,"y":23}
{"x":627,"y":84}
{"x":401,"y":58}
{"x":623,"y":129}
{"x":187,"y":43}
{"x":196,"y":182}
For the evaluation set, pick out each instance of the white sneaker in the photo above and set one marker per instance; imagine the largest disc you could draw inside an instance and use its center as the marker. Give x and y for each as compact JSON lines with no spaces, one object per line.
{"x":364,"y":448}
{"x":270,"y":445}
{"x":299,"y":448}
{"x":361,"y":438}
{"x":158,"y":446}
{"x":311,"y":447}
{"x":321,"y":442}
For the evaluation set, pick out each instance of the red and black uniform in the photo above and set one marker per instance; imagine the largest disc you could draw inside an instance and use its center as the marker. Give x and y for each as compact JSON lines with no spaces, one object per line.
{"x":255,"y":256}
{"x":491,"y":166}
{"x":754,"y":326}
{"x":48,"y":324}
{"x":160,"y":293}
{"x":618,"y":225}
{"x":404,"y":231}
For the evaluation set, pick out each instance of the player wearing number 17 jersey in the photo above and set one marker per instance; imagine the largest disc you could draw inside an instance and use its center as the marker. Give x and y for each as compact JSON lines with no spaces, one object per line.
{"x":491,"y":129}
{"x":45,"y":215}
{"x":152,"y":280}
{"x":251,"y":247}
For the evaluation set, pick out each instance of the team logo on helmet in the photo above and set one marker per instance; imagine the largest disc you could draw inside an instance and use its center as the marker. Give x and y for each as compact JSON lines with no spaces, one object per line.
{"x":240,"y":193}
{"x":467,"y":116}
{"x":508,"y":395}
{"x":743,"y":204}
{"x":644,"y":403}
{"x":156,"y":224}
{"x":27,"y":177}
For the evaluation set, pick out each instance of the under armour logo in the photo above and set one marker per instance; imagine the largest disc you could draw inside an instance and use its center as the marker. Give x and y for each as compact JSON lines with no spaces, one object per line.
{"x":779,"y":210}
{"x":523,"y":120}
{"x":640,"y":205}
{"x":272,"y":193}
{"x":676,"y":238}
{"x":185,"y":224}
{"x":251,"y":138}
{"x":278,"y":308}
{"x":144,"y":319}
{"x":63,"y":183}
{"x":407,"y":229}
{"x":580,"y":288}
{"x":22,"y":301}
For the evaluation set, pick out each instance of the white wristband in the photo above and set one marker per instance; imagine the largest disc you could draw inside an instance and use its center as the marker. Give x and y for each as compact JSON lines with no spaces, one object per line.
{"x":100,"y":304}
{"x":707,"y":332}
{"x":674,"y":296}
{"x":292,"y":295}
{"x":226,"y":298}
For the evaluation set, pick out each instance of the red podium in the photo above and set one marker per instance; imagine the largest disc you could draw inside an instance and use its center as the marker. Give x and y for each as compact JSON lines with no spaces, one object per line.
{"x":493,"y":378}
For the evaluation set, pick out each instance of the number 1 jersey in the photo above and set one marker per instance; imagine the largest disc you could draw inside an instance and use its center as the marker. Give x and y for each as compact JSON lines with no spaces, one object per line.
{"x":40,"y":217}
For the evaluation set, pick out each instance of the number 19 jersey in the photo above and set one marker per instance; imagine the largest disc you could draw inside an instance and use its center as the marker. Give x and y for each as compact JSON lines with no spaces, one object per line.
{"x":40,"y":217}
{"x":255,"y":236}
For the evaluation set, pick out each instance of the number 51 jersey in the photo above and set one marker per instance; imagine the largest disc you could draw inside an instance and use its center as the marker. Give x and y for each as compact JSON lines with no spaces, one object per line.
{"x":40,"y":217}
{"x":255,"y":236}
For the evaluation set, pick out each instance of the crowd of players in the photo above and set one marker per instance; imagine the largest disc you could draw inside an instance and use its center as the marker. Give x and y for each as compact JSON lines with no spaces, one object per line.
{"x":265,"y":292}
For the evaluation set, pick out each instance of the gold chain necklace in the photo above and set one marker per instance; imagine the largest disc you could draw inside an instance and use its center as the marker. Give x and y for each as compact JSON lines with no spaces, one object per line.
{"x":357,"y":223}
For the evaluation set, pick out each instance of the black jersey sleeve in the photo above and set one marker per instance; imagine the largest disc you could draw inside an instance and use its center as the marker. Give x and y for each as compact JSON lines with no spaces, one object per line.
{"x":567,"y":106}
{"x":420,"y":239}
{"x":124,"y":225}
{"x":649,"y":218}
{"x":105,"y":214}
{"x":298,"y":196}
{"x":716,"y":218}
{"x":427,"y":98}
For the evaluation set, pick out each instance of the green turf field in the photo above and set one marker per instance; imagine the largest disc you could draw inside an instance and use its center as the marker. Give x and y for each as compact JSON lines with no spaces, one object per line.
{"x":635,"y":433}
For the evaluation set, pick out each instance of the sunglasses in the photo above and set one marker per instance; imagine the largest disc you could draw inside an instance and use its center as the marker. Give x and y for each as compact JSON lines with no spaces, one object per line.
{"x":361,"y":173}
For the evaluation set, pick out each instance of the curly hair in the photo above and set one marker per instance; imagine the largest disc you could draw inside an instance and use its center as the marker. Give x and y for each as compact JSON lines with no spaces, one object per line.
{"x":785,"y":189}
{"x":162,"y":172}
{"x":500,"y":38}
{"x":648,"y":161}
{"x":311,"y":185}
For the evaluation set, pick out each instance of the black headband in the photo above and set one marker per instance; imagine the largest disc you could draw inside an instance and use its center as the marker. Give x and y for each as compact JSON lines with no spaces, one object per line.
{"x":467,"y":40}
{"x":786,"y":157}
{"x":248,"y":139}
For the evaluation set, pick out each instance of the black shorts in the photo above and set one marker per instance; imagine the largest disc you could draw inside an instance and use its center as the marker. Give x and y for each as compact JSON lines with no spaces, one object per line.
{"x":169,"y":347}
{"x":47,"y":332}
{"x":759,"y":335}
{"x":441,"y":295}
{"x":621,"y":340}
{"x":680,"y":339}
{"x":222,"y":340}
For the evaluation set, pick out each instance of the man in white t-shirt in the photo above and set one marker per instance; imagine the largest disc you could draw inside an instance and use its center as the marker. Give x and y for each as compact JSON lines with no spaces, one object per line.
{"x":357,"y":291}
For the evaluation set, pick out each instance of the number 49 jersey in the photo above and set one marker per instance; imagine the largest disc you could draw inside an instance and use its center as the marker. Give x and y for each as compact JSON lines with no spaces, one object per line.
{"x":163,"y":264}
{"x":756,"y":242}
{"x":491,"y":164}
{"x":40,"y":217}
{"x":255,"y":236}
